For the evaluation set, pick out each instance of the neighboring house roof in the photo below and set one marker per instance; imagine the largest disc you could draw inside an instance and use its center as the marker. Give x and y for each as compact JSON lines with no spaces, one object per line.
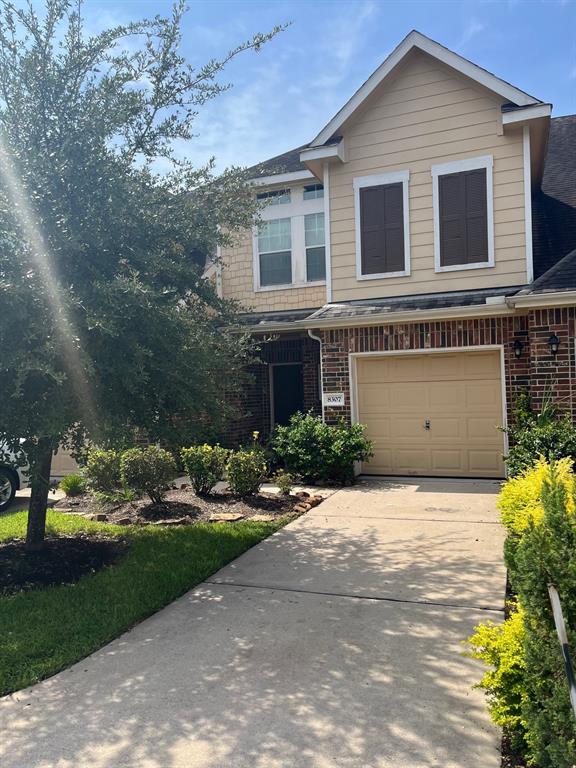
{"x":554,"y":209}
{"x":287,"y":162}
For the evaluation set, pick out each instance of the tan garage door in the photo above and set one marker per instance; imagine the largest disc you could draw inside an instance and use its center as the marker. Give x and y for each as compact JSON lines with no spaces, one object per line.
{"x":432,"y":414}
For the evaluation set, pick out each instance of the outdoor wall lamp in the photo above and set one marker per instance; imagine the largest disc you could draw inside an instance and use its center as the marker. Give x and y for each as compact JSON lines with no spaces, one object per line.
{"x":554,"y":343}
{"x":517,"y":347}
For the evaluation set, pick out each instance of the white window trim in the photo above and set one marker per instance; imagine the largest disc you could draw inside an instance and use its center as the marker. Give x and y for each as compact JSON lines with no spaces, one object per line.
{"x":295,"y":210}
{"x":376,"y":180}
{"x":457,"y":166}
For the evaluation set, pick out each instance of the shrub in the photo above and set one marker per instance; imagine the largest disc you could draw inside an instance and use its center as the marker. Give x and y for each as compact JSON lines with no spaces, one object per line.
{"x":548,"y":434}
{"x":315,"y":451}
{"x":501,"y":648}
{"x":147,"y":470}
{"x":103,"y":471}
{"x":73,"y":485}
{"x":246,"y":471}
{"x":542,"y":528}
{"x":205,"y":465}
{"x":284,"y":481}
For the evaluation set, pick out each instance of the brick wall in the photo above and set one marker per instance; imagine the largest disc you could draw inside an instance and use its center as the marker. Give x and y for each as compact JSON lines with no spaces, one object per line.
{"x":536,"y":369}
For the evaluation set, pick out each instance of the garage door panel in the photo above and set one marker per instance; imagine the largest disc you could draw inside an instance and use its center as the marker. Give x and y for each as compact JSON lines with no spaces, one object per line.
{"x":374,"y":397}
{"x":448,"y":461}
{"x":446,"y":394}
{"x":459,"y":392}
{"x":405,"y":395}
{"x":484,"y":429}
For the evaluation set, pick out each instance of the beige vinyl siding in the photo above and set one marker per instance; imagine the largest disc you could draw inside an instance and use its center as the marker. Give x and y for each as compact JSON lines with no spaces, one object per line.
{"x":238,"y":283}
{"x":425,"y":116}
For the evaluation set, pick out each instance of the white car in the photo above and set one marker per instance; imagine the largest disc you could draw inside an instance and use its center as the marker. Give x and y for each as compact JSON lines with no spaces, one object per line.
{"x":12,"y":478}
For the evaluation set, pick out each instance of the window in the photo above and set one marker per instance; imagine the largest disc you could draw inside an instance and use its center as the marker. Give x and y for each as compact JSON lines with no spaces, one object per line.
{"x":315,"y":247}
{"x":276,"y":197}
{"x":463,"y":214}
{"x":382,"y":226}
{"x":290,"y":243}
{"x":275,"y":252}
{"x":313,"y":191}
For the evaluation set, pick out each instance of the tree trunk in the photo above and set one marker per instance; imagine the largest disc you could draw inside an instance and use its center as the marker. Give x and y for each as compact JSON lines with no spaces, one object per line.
{"x":40,"y":485}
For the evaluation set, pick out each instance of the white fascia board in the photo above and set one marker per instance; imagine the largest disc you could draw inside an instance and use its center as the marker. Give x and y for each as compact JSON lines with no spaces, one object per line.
{"x":552,"y":299}
{"x":534,"y":112}
{"x":282,"y":178}
{"x":324,"y":153}
{"x":417,"y":40}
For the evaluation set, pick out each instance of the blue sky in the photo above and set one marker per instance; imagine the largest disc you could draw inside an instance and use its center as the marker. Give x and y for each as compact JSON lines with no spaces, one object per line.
{"x":284,"y":95}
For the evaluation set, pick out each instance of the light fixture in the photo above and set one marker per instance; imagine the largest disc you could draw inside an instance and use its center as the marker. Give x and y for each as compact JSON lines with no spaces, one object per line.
{"x":554,"y":343}
{"x":517,"y":347}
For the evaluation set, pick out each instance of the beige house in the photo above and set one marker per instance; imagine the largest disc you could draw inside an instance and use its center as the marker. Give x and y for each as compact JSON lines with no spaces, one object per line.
{"x":416,"y":264}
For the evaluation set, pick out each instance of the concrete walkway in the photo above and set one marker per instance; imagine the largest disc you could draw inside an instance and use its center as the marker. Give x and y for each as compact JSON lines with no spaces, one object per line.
{"x":336,"y":642}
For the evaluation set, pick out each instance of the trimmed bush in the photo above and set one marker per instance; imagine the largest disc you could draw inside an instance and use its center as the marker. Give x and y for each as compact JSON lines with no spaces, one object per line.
{"x":205,"y":466}
{"x":284,"y":481}
{"x":147,"y":470}
{"x":246,"y":471}
{"x":103,"y":471}
{"x":548,"y":434}
{"x":501,"y":648}
{"x":73,"y":485}
{"x":527,"y":688}
{"x":315,"y":451}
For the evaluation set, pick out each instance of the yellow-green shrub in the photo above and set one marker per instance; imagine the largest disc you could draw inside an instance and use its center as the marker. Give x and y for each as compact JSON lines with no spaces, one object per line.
{"x":520,"y":500}
{"x":501,"y":647}
{"x":205,"y":465}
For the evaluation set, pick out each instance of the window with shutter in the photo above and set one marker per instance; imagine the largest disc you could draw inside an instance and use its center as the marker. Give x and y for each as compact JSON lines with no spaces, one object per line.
{"x":382,"y":245}
{"x":464,"y":215}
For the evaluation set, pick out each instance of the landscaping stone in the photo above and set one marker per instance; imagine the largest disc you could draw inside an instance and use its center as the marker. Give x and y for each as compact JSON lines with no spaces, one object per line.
{"x":262,"y":518}
{"x":99,"y":517}
{"x":301,"y":507}
{"x":175,"y":521}
{"x":123,"y":521}
{"x":302,"y":494}
{"x":315,"y":500}
{"x":226,"y":517}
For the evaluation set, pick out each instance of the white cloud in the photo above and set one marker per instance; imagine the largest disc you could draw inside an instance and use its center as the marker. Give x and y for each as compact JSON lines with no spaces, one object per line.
{"x":473,"y":28}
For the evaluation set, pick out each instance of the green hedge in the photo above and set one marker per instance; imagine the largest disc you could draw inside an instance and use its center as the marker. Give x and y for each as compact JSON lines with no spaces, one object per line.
{"x":526,"y":685}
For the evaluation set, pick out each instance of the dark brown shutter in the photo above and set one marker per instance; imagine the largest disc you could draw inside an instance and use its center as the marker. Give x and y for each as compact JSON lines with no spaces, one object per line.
{"x":463,"y":218}
{"x":382,"y":229}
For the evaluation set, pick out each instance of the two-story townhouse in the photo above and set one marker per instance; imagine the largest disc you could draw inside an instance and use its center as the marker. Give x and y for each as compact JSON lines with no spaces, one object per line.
{"x":415,"y":267}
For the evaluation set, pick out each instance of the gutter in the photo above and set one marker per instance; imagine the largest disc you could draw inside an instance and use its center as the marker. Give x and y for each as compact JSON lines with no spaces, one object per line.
{"x":319,"y":340}
{"x":552,"y":299}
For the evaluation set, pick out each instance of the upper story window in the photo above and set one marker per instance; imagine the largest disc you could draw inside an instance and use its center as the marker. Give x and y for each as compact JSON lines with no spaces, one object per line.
{"x":275,"y":252}
{"x":313,"y":191}
{"x":382,"y":225}
{"x":290,"y":245}
{"x":314,"y":240}
{"x":276,"y":197}
{"x":463,"y":214}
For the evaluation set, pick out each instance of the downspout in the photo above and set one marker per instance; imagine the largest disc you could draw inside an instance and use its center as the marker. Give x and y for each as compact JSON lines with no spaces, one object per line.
{"x":319,"y":340}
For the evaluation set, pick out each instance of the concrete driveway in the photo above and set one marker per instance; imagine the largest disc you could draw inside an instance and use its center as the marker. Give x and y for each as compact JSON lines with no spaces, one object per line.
{"x":336,"y":642}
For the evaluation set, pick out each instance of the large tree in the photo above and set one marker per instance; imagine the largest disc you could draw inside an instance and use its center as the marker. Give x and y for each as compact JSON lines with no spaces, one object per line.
{"x":106,"y":324}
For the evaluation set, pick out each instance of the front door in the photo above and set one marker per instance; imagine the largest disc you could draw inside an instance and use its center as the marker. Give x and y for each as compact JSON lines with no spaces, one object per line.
{"x":287,"y":392}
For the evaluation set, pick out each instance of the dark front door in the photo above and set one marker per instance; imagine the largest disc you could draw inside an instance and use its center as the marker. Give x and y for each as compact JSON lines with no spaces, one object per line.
{"x":287,"y":392}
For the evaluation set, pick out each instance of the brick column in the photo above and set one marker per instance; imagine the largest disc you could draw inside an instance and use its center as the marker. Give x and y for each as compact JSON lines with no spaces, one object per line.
{"x":551,"y":376}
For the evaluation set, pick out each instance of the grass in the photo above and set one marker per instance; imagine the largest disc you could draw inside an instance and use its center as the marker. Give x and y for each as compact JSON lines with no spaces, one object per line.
{"x":44,"y":631}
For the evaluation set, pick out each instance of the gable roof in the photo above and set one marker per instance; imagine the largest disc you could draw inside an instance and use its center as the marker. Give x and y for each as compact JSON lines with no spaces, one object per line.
{"x":416,"y":40}
{"x":287,"y":162}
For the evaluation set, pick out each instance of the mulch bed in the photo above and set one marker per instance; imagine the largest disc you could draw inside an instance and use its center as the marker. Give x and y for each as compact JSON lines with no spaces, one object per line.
{"x":63,"y":560}
{"x":182,"y":506}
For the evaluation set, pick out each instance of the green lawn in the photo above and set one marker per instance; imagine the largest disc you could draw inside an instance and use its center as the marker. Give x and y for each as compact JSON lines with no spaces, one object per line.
{"x":44,"y":631}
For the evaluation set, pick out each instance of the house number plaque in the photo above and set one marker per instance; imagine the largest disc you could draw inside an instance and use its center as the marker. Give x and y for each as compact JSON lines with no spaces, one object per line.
{"x":334,"y":399}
